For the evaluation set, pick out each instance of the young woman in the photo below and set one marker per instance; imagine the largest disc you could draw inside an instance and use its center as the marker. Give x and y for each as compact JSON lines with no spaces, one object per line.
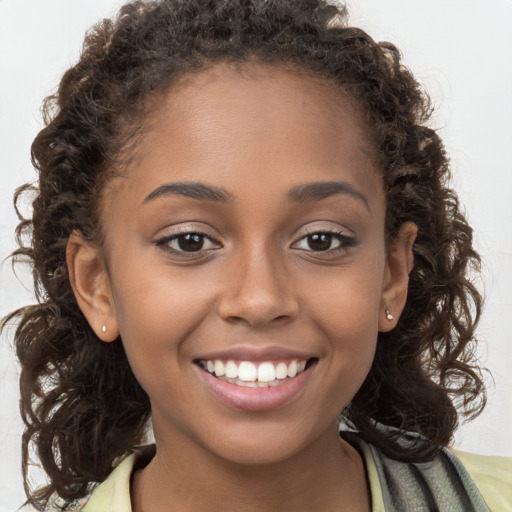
{"x":242,"y":231}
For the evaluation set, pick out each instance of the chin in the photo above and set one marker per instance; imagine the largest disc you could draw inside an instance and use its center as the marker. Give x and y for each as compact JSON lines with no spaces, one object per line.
{"x":267,"y":441}
{"x":258,"y":452}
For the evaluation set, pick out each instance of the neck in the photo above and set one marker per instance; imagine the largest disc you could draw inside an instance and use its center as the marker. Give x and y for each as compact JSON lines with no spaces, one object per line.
{"x":325,"y":476}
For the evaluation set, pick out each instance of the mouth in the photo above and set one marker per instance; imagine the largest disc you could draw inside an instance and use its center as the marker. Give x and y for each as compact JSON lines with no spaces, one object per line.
{"x":254,"y":386}
{"x":253,"y":374}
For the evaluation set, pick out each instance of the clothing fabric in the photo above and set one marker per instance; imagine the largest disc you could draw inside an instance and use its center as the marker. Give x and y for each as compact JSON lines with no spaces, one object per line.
{"x":453,"y":482}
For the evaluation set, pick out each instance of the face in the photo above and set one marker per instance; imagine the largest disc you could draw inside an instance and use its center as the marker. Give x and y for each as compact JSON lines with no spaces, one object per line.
{"x":244,"y":262}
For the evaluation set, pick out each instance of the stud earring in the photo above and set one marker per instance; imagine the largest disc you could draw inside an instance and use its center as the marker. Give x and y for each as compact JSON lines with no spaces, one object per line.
{"x":104,"y":329}
{"x":389,"y":316}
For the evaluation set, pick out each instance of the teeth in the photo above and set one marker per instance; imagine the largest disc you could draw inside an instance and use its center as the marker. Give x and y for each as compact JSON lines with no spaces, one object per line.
{"x":218,"y":368}
{"x":231,"y":370}
{"x":247,"y":373}
{"x":292,"y":369}
{"x":266,"y":372}
{"x":281,"y":371}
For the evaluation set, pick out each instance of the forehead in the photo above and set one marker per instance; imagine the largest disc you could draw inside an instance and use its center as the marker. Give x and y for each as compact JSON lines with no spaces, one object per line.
{"x":256,"y":121}
{"x":254,"y":102}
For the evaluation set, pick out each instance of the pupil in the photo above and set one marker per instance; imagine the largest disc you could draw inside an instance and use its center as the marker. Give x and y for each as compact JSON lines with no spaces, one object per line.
{"x":320,"y":241}
{"x":190,"y":242}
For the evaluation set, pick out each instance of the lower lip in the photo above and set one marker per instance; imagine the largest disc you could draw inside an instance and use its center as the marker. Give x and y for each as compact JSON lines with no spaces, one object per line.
{"x":255,"y":399}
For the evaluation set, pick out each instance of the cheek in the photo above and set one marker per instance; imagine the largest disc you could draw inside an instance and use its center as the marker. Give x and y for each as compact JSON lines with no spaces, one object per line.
{"x":156,"y":297}
{"x":348,"y":298}
{"x":352,"y":328}
{"x":347,"y":311}
{"x":156,"y":312}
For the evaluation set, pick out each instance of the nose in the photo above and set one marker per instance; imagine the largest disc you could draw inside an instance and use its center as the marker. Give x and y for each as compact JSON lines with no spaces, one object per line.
{"x":258,"y":291}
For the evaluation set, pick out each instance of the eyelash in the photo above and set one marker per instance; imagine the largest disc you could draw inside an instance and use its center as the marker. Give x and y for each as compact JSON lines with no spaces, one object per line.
{"x":168,"y":239}
{"x":345,"y":241}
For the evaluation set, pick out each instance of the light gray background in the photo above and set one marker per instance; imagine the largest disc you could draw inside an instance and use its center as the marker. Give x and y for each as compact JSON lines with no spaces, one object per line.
{"x":460,"y":49}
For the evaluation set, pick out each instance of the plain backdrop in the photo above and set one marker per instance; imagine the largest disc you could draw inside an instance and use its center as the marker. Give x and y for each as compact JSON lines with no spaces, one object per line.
{"x":461,"y":50}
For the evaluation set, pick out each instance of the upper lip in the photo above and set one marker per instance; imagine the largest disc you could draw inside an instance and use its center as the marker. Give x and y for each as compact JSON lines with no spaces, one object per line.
{"x":255,"y":354}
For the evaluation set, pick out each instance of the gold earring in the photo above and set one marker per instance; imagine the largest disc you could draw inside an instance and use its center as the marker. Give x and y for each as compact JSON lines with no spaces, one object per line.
{"x":389,"y":316}
{"x":104,"y":329}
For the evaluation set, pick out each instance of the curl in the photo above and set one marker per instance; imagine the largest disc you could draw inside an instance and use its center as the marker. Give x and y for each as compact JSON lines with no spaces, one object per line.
{"x":81,"y":404}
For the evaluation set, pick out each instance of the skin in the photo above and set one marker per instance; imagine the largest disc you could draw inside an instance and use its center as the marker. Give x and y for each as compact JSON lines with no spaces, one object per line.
{"x":258,"y":282}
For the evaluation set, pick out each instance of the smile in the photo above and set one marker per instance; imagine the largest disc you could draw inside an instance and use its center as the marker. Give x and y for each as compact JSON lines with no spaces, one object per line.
{"x":250,"y":374}
{"x":255,"y":385}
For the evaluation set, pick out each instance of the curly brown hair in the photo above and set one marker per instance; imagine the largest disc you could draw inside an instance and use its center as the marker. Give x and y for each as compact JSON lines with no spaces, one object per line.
{"x":80,"y":401}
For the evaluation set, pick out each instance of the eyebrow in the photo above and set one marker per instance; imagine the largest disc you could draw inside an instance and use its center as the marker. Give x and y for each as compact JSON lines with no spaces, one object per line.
{"x":298,"y":194}
{"x":194,"y":190}
{"x":323,"y":189}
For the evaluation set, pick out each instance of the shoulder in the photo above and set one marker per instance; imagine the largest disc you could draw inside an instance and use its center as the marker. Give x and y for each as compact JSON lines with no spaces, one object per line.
{"x":492,"y":476}
{"x":453,"y":480}
{"x":113,"y":495}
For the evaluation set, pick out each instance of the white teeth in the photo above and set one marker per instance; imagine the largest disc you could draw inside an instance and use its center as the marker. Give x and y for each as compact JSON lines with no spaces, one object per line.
{"x":266,"y":372}
{"x":281,"y":371}
{"x":218,"y":368}
{"x":247,"y":371}
{"x":292,"y":369}
{"x":231,"y":370}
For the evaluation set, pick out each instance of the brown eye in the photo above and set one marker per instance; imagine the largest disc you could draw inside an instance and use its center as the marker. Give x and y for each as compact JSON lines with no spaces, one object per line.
{"x":320,"y":241}
{"x":323,"y":241}
{"x":191,"y":242}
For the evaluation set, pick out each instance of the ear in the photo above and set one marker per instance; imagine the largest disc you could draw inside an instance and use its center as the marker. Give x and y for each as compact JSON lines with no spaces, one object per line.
{"x":91,"y":286}
{"x":400,"y":262}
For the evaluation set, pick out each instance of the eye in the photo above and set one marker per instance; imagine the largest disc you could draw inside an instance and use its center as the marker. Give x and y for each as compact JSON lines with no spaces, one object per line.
{"x":323,"y":241}
{"x":188,"y":242}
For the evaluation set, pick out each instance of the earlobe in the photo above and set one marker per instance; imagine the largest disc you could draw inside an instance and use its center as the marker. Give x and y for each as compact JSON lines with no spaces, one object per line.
{"x":91,"y":285}
{"x":400,"y":262}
